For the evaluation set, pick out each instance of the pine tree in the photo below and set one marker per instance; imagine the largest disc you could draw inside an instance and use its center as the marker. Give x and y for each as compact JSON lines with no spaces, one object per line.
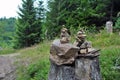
{"x":51,"y":20}
{"x":79,"y":13}
{"x":28,"y":28}
{"x":57,"y":16}
{"x":40,"y":16}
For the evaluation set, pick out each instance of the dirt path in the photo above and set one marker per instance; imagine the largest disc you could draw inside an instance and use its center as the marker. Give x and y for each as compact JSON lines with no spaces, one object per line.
{"x":7,"y":66}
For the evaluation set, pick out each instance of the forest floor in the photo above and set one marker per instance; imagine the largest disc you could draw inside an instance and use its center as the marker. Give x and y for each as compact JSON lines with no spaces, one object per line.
{"x":7,"y":66}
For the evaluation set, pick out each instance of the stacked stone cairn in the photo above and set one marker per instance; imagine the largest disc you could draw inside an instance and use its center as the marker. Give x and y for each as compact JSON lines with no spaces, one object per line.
{"x":78,"y":61}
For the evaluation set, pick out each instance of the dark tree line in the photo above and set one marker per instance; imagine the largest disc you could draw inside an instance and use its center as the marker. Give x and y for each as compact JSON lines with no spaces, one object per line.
{"x":7,"y":28}
{"x":83,"y":13}
{"x":33,"y":23}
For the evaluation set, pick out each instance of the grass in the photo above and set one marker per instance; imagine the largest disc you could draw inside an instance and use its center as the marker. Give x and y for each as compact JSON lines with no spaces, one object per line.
{"x":7,"y":51}
{"x":104,"y":39}
{"x":107,"y":62}
{"x":38,"y":57}
{"x":35,"y":60}
{"x":110,"y":51}
{"x":6,"y":48}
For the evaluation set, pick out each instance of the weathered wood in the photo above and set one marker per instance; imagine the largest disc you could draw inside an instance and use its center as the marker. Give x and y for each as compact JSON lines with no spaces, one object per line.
{"x":62,"y":72}
{"x":87,"y":68}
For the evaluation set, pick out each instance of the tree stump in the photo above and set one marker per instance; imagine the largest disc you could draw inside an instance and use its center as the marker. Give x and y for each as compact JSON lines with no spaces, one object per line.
{"x":87,"y":68}
{"x":61,"y":72}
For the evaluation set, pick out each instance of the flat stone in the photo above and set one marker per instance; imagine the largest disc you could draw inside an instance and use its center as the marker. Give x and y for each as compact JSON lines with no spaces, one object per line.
{"x":93,"y":53}
{"x":63,"y":53}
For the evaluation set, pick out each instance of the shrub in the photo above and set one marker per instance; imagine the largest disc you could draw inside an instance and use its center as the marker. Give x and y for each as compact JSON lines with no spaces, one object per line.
{"x":117,"y":24}
{"x":38,"y":71}
{"x":107,"y":62}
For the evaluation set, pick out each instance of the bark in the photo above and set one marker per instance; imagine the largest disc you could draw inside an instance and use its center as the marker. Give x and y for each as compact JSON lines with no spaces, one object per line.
{"x":62,"y":72}
{"x":84,"y":68}
{"x":87,"y":68}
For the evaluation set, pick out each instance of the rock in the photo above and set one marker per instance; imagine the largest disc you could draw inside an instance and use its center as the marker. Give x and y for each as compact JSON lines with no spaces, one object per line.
{"x":109,"y":26}
{"x":7,"y":67}
{"x":63,"y":53}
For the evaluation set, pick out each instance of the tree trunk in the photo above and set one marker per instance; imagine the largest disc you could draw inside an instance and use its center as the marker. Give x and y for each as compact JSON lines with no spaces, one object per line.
{"x":84,"y":68}
{"x":87,"y":68}
{"x":62,"y":72}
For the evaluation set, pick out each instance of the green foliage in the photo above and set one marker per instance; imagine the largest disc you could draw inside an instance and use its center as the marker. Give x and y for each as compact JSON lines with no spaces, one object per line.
{"x":117,"y":24}
{"x":35,"y":71}
{"x":84,"y":13}
{"x":39,"y":70}
{"x":7,"y":28}
{"x":7,"y":51}
{"x":107,"y":62}
{"x":38,"y":58}
{"x":110,"y":49}
{"x":35,"y":66}
{"x":104,"y":39}
{"x":29,"y":25}
{"x":74,"y":13}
